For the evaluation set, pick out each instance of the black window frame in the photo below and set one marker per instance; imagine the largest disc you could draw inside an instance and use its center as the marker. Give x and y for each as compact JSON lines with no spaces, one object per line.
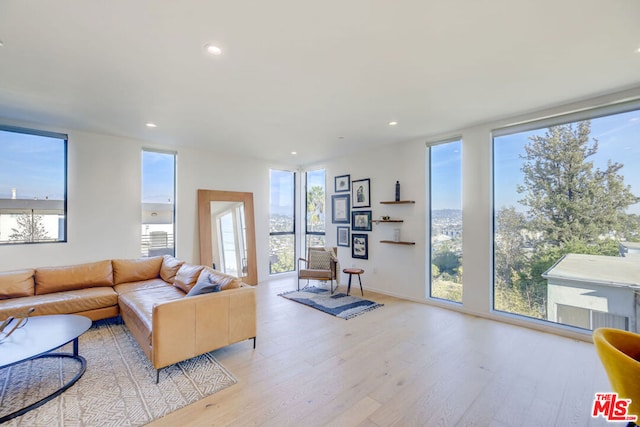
{"x":294,"y":225}
{"x":65,"y":144}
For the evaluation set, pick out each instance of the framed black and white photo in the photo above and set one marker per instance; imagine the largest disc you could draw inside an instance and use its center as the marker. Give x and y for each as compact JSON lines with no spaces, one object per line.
{"x":340,"y":212}
{"x":361,"y":220}
{"x":361,"y":193}
{"x":343,"y":183}
{"x":360,"y":246}
{"x":343,"y":236}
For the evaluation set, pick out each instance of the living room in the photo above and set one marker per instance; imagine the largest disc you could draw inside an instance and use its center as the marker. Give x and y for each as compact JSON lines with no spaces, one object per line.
{"x":107,"y":133}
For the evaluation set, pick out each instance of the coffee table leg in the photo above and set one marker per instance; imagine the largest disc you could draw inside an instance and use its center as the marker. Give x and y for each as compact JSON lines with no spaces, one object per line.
{"x":83,"y":368}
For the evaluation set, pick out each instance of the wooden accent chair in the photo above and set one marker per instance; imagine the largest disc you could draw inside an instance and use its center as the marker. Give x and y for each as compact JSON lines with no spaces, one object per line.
{"x":619,"y":352}
{"x":321,"y":264}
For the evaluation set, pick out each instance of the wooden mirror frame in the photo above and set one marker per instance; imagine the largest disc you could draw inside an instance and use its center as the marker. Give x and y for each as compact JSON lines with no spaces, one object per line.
{"x":205,"y":197}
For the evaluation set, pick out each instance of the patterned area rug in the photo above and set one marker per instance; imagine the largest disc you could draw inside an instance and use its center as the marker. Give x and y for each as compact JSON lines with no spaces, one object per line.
{"x":339,"y":305}
{"x":118,"y":388}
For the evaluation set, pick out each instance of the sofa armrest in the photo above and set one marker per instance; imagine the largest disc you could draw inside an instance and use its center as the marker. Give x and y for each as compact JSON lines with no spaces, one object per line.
{"x":191,"y":326}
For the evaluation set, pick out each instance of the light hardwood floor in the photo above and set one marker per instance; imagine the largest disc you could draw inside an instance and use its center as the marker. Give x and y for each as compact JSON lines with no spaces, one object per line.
{"x":405,"y":364}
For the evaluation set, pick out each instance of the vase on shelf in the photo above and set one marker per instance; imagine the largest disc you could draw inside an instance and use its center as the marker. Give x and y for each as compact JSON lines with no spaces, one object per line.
{"x":397,"y":191}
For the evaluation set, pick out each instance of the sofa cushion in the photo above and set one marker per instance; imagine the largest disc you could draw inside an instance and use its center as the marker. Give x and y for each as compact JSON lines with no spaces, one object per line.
{"x":67,"y":302}
{"x":204,"y":285}
{"x":138,"y":306}
{"x":170,"y":267}
{"x":57,"y":279}
{"x":226,"y":281}
{"x":142,"y":285}
{"x":187,"y":276}
{"x":15,"y":284}
{"x":135,"y":270}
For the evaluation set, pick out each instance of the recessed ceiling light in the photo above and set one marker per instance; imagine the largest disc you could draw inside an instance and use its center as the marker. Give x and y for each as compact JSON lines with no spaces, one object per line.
{"x":393,"y":123}
{"x":1,"y":43}
{"x":293,"y":153}
{"x":637,"y":50}
{"x":341,"y":137}
{"x":151,"y":125}
{"x":213,"y":49}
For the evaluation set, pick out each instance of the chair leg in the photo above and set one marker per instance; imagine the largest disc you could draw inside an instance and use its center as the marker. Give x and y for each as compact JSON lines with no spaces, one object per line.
{"x":254,"y":343}
{"x":157,"y":375}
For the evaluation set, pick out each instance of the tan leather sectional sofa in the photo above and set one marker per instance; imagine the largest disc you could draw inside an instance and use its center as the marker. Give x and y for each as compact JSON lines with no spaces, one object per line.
{"x":149,"y":294}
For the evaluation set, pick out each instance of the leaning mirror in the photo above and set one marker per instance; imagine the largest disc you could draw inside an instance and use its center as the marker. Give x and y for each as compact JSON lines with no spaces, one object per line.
{"x":227,"y":233}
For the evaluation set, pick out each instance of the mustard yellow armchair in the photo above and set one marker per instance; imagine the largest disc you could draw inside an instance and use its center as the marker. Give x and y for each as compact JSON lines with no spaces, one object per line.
{"x":619,"y":352}
{"x":321,"y":264}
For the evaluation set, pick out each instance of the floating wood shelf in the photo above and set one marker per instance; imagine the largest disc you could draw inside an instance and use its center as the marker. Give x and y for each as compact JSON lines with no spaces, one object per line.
{"x":399,"y":202}
{"x":388,"y":220}
{"x":393,"y":242}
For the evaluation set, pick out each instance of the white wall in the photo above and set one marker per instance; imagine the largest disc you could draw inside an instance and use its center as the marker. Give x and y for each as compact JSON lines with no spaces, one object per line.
{"x":104,"y":201}
{"x":393,"y":269}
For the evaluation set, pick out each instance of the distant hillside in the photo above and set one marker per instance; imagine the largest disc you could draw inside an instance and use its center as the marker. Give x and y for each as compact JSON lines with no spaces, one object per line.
{"x":447,"y":213}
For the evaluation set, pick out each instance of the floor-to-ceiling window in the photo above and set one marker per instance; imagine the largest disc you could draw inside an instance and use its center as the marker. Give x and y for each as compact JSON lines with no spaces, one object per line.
{"x":282,"y":221}
{"x":566,"y":218}
{"x":158,"y":203}
{"x":315,"y":208}
{"x":33,"y":186}
{"x":445,"y":195}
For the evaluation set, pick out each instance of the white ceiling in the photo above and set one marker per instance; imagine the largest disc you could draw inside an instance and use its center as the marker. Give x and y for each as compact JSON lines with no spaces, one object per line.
{"x":321,"y":78}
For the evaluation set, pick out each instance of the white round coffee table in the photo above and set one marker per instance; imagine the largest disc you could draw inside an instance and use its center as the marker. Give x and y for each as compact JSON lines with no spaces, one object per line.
{"x":39,"y":336}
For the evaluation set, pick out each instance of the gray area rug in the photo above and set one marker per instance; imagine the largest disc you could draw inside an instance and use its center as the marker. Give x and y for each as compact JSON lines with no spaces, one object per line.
{"x":339,"y":305}
{"x":119,"y":387}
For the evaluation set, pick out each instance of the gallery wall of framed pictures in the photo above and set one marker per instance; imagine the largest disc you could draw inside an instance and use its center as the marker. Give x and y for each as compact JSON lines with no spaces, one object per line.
{"x":348,"y":207}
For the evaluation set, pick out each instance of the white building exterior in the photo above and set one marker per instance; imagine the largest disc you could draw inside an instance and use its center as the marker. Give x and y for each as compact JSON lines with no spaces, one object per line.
{"x":51,"y":213}
{"x":591,"y":291}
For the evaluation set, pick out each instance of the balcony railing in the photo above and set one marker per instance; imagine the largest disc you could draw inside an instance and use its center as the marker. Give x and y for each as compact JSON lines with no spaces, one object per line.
{"x":157,"y":243}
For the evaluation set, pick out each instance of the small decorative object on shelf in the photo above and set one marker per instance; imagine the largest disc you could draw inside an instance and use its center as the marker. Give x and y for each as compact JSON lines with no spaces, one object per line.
{"x":397,"y":191}
{"x":396,"y":234}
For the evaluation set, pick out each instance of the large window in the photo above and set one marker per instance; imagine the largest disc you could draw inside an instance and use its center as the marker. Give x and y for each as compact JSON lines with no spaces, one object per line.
{"x":282,"y":221}
{"x":33,"y":186}
{"x":315,"y":208}
{"x":566,"y":219}
{"x":158,"y":203}
{"x":445,"y":166}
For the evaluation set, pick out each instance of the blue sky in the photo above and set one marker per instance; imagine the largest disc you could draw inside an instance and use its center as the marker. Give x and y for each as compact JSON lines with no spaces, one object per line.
{"x":158,"y":177}
{"x":446,"y":176}
{"x":34,"y":167}
{"x":618,"y":140}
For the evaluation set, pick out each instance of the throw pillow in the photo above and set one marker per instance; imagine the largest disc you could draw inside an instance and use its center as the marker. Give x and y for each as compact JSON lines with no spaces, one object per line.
{"x":204,"y":285}
{"x":319,"y":260}
{"x":187,"y":276}
{"x":169,"y":268}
